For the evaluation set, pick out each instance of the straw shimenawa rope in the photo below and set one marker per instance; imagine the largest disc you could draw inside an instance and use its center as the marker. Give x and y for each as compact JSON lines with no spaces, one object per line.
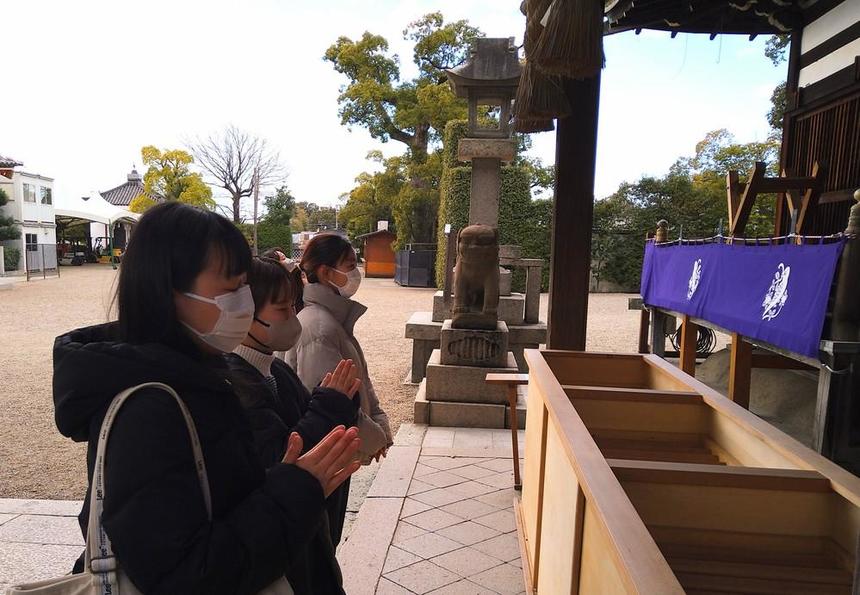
{"x":540,"y":97}
{"x":571,"y":43}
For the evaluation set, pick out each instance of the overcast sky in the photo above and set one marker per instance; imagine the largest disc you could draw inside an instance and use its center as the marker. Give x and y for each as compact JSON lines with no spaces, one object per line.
{"x":88,"y":83}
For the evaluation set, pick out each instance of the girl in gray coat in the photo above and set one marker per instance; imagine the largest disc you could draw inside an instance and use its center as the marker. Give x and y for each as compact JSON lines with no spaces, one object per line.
{"x":328,"y":318}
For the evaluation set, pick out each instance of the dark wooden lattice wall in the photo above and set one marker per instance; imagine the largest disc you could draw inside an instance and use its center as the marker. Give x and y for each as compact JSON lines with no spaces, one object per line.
{"x":829,"y":134}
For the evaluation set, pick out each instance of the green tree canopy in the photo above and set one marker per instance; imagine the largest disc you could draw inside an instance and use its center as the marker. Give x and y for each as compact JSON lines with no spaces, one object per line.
{"x":413,"y":112}
{"x":691,"y":197}
{"x":170,"y":177}
{"x":8,"y":229}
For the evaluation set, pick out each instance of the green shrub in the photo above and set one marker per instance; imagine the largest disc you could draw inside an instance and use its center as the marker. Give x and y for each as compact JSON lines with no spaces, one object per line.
{"x":11,"y":256}
{"x":522,"y":221}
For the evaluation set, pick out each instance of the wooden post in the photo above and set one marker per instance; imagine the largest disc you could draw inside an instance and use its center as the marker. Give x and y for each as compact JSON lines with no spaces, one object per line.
{"x":740,"y":371}
{"x":644,"y":323}
{"x":511,"y":381}
{"x":689,"y":334}
{"x":662,"y":234}
{"x":658,"y":332}
{"x":570,"y":263}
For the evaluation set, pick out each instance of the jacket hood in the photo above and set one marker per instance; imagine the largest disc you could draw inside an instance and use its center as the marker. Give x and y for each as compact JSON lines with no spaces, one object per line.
{"x":91,"y":366}
{"x":345,"y":311}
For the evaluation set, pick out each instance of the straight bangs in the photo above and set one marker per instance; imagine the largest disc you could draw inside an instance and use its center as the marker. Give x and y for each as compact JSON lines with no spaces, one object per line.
{"x":169,"y":247}
{"x":270,"y":283}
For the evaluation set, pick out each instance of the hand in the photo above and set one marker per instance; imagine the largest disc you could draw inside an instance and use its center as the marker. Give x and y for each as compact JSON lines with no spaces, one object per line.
{"x":331,"y":461}
{"x":343,"y":379}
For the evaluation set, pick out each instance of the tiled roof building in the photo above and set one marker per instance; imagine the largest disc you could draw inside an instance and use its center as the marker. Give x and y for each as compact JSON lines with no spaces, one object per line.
{"x":122,"y":196}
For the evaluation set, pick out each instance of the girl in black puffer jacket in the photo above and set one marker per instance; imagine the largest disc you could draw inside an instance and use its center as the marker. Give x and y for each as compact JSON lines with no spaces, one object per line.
{"x":182,"y":303}
{"x":277,"y":403}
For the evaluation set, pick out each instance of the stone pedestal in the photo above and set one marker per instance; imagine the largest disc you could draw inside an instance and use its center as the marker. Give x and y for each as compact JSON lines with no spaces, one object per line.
{"x":505,"y":282}
{"x":467,"y":415}
{"x":466,"y":384}
{"x":511,"y":308}
{"x":469,"y":347}
{"x":426,"y":337}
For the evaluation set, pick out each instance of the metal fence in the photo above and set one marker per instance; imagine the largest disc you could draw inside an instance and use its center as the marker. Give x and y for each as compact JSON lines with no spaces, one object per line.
{"x":41,"y":258}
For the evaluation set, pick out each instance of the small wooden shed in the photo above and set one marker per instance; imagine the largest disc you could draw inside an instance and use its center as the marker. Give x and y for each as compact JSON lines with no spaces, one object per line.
{"x":378,"y":253}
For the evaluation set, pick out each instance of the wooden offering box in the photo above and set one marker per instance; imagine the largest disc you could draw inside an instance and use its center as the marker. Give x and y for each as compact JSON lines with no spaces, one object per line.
{"x":640,"y":479}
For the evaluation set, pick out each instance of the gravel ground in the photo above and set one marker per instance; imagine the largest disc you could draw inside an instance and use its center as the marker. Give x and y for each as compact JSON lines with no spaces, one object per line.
{"x":37,"y":462}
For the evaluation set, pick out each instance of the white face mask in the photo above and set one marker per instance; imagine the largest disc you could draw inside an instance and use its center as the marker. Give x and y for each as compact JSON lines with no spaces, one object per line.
{"x":234,"y":322}
{"x":353,"y":280}
{"x":282,"y":335}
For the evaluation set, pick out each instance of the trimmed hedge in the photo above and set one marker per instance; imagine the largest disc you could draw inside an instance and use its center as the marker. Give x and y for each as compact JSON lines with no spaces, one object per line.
{"x":522,"y":221}
{"x":11,"y":256}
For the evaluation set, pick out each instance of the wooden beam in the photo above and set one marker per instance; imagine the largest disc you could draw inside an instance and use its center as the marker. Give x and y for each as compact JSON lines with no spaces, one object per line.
{"x":810,"y":199}
{"x":573,"y":209}
{"x":689,"y":334}
{"x":775,"y":361}
{"x":747,"y":199}
{"x":732,"y":194}
{"x":740,"y":371}
{"x":754,"y":478}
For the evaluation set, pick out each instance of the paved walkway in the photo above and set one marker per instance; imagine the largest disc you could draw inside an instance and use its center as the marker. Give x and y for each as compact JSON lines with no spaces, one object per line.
{"x":438,"y":518}
{"x":38,"y":539}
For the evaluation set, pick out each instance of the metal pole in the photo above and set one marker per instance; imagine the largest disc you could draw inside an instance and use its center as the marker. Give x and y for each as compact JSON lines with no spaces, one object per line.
{"x":44,"y":273}
{"x":256,"y":197}
{"x":110,"y":245}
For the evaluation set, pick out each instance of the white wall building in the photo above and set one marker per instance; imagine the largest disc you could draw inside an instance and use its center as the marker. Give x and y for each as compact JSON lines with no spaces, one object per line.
{"x":31,"y":205}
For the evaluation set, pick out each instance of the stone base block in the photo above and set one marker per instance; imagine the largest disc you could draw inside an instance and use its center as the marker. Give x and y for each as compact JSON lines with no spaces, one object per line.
{"x":465,"y":415}
{"x":466,"y":384}
{"x":506,"y":280}
{"x":486,"y":148}
{"x":511,"y":308}
{"x":425,"y":335}
{"x":468,"y":347}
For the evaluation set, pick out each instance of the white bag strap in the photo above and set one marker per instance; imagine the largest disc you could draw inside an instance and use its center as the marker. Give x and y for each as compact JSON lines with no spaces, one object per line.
{"x":100,"y":559}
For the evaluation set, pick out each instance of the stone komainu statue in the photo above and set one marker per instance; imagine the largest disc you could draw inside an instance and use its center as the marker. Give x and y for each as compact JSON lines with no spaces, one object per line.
{"x":476,"y":279}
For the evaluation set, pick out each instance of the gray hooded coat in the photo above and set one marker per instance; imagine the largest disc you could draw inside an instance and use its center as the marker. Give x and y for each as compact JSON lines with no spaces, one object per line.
{"x":327,"y":337}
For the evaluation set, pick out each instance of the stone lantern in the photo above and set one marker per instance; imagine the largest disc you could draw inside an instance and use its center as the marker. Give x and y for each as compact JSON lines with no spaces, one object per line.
{"x":490,"y":77}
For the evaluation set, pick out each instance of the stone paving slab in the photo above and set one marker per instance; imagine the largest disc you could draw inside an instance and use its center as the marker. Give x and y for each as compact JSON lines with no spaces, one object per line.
{"x":454,"y":532}
{"x":39,"y":539}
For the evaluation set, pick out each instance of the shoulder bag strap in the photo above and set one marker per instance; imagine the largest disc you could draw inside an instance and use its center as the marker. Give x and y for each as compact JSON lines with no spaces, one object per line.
{"x":100,"y":559}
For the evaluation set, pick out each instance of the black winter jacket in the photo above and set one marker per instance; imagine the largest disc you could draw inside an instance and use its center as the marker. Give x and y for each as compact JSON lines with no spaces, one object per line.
{"x":272,"y":419}
{"x":312,"y":415}
{"x":154,"y":512}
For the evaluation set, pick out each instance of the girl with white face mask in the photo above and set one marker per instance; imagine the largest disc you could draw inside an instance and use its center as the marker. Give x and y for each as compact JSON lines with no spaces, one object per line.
{"x":277,"y":403}
{"x":182,"y":301}
{"x":328,"y":318}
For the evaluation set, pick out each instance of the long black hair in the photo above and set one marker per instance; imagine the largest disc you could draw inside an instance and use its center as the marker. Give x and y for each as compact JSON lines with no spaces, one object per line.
{"x":169,"y":247}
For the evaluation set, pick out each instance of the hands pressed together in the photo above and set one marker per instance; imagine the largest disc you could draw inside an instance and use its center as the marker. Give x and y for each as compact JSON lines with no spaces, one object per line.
{"x":331,"y":461}
{"x":344,"y":378}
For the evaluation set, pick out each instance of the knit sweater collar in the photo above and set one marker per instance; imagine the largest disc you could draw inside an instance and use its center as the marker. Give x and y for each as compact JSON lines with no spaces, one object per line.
{"x":345,"y":311}
{"x":261,"y":361}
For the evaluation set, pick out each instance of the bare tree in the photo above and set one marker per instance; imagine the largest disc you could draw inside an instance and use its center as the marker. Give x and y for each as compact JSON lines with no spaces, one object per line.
{"x":231,"y":158}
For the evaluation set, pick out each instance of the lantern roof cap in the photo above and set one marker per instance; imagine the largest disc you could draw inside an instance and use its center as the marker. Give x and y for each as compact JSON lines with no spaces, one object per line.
{"x":492,"y":66}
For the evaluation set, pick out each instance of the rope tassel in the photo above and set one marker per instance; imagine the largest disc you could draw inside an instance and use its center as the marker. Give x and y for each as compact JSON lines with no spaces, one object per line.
{"x":571,"y":43}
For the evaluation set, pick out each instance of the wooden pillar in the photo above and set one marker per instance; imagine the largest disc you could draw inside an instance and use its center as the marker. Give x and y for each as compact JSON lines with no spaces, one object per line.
{"x":740,"y":371}
{"x":570,"y":263}
{"x":658,"y":332}
{"x":689,"y":334}
{"x":644,"y":324}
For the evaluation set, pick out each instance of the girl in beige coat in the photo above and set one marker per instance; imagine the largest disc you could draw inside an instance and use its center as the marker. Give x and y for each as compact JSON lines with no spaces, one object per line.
{"x":328,"y":318}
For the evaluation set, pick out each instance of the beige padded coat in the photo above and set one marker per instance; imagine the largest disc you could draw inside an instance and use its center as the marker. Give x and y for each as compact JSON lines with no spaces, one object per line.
{"x":327,"y":337}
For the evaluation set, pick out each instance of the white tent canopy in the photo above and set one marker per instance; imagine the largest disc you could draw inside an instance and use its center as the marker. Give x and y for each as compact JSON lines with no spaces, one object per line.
{"x":95,"y":209}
